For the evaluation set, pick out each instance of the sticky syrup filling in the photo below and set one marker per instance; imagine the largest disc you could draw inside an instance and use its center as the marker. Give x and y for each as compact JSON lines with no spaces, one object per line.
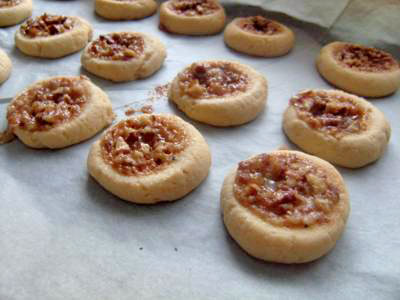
{"x":48,"y":104}
{"x":117,"y":46}
{"x":334,"y":114}
{"x":207,"y":80}
{"x":260,"y":25}
{"x":46,"y":25}
{"x":366,"y":59}
{"x":194,"y":7}
{"x":142,"y":145}
{"x":286,"y":190}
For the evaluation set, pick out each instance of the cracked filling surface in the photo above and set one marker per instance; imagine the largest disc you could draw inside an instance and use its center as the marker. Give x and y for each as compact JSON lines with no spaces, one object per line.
{"x":259,"y":25}
{"x":330,"y":113}
{"x":117,"y":46}
{"x":46,"y":25}
{"x":194,"y":7}
{"x":365,"y":58}
{"x":143,"y":145}
{"x":214,"y":79}
{"x":48,"y":104}
{"x":286,"y":190}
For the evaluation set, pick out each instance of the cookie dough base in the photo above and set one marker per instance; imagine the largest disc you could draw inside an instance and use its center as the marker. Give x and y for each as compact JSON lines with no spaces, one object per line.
{"x":114,"y":10}
{"x":5,"y":66}
{"x":15,"y":14}
{"x":281,"y":244}
{"x":57,"y":45}
{"x":367,"y":84}
{"x":171,"y":183}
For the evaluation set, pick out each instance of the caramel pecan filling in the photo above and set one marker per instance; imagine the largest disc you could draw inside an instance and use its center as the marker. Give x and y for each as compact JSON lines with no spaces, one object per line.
{"x":47,"y":104}
{"x":142,"y":145}
{"x":46,"y":25}
{"x":330,"y":113}
{"x":260,"y":25}
{"x":194,"y":7}
{"x":207,"y":80}
{"x":9,"y":3}
{"x":285,"y":189}
{"x":366,"y":59}
{"x":117,"y":46}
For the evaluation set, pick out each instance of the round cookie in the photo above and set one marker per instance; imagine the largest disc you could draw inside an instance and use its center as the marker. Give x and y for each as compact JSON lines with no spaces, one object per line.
{"x":285,"y":206}
{"x":58,"y":112}
{"x":220,"y":93}
{"x":259,"y":36}
{"x":123,"y":56}
{"x":125,"y":9}
{"x":359,"y":69}
{"x":336,"y":126}
{"x":192,"y":17}
{"x":14,"y":11}
{"x":5,"y":66}
{"x":150,"y":158}
{"x":53,"y":36}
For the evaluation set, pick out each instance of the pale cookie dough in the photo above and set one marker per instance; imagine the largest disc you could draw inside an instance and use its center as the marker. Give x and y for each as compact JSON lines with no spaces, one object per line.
{"x":5,"y":66}
{"x":259,"y":36}
{"x":150,"y":158}
{"x":123,"y":56}
{"x":125,"y":9}
{"x":339,"y":127}
{"x":285,"y":206}
{"x":53,"y":36}
{"x":358,"y":69}
{"x":59,"y":112}
{"x":14,"y":11}
{"x":192,"y":17}
{"x":220,"y":93}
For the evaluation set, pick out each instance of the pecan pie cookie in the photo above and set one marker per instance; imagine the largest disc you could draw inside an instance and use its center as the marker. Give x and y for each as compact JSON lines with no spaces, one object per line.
{"x":58,"y":112}
{"x":5,"y":66}
{"x":358,"y":69}
{"x":14,"y":11}
{"x":192,"y":17}
{"x":125,"y":9}
{"x":339,"y":127}
{"x":220,"y":93}
{"x":53,"y":36}
{"x":123,"y":56}
{"x":150,"y":158}
{"x":259,"y":36}
{"x":285,"y":206}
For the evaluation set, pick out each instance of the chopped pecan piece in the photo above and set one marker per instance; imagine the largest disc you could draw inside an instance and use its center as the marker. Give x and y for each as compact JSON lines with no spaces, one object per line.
{"x":46,"y":25}
{"x":260,"y":25}
{"x":194,"y":7}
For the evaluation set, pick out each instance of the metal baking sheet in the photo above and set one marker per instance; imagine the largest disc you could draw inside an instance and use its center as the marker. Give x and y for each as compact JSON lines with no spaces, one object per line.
{"x":64,"y":237}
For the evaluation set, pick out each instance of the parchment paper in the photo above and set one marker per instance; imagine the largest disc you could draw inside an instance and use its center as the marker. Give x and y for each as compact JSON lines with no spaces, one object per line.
{"x":63,"y":237}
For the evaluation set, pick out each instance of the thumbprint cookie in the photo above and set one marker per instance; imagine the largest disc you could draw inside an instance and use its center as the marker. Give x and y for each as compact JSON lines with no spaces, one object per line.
{"x":125,"y":9}
{"x":339,"y":127}
{"x":5,"y":66}
{"x":53,"y":36}
{"x":192,"y":17}
{"x":259,"y":36}
{"x":14,"y":11}
{"x":123,"y":56}
{"x":359,"y":69}
{"x":220,"y":93}
{"x":285,"y":206}
{"x":150,"y":158}
{"x":58,"y":112}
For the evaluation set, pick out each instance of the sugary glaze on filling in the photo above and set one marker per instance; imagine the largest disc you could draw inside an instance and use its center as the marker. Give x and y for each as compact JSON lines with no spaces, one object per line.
{"x":117,"y":46}
{"x":48,"y":104}
{"x":286,"y":190}
{"x":142,"y":145}
{"x":9,"y":3}
{"x":213,"y":79}
{"x":194,"y":7}
{"x":330,"y":113}
{"x":260,"y":25}
{"x":365,"y":58}
{"x":46,"y":25}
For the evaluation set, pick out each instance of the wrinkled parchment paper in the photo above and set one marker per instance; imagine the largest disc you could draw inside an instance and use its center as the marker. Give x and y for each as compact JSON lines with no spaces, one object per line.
{"x":64,"y":237}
